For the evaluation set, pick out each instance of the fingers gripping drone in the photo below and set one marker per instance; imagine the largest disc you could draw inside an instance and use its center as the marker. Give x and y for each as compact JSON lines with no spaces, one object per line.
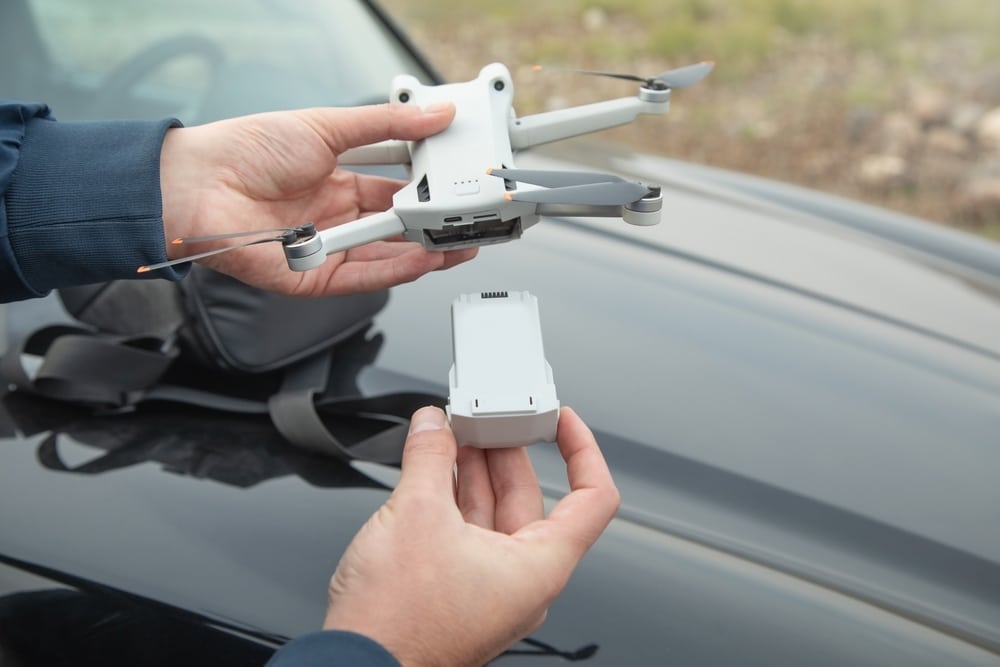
{"x":465,"y":190}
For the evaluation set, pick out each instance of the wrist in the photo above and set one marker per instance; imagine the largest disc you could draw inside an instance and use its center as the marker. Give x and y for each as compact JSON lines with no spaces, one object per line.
{"x":335,"y":648}
{"x":101,"y":223}
{"x":178,"y":186}
{"x":406,"y":644}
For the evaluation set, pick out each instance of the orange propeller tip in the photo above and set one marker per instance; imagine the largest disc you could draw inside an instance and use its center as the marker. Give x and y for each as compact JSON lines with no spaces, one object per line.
{"x":178,"y":241}
{"x":142,"y":269}
{"x":489,"y":171}
{"x":508,"y":196}
{"x":536,"y":68}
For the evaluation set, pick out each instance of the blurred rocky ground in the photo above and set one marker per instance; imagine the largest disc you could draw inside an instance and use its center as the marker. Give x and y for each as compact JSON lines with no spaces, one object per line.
{"x":914,"y":127}
{"x":937,"y":142}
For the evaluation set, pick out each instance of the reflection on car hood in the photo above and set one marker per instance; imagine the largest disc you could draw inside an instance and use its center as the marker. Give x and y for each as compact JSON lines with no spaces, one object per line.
{"x":940,"y":281}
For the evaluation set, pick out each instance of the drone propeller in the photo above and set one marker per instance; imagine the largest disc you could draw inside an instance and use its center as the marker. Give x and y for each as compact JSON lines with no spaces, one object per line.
{"x":682,"y":77}
{"x":553,"y":178}
{"x":235,"y":235}
{"x":286,"y":235}
{"x":616,"y":193}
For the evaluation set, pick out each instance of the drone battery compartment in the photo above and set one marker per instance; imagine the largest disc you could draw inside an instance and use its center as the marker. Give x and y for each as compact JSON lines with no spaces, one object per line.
{"x":478,"y":232}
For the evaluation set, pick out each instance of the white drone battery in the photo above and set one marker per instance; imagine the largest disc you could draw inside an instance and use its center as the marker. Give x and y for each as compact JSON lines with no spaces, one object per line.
{"x":501,"y":389}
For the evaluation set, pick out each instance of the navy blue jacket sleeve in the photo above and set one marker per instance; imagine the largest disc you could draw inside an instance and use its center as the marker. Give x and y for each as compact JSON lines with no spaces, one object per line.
{"x":332,"y":648}
{"x":79,"y":201}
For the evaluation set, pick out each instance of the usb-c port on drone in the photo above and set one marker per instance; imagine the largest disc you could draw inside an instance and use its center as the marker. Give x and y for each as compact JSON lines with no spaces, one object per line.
{"x":454,"y":218}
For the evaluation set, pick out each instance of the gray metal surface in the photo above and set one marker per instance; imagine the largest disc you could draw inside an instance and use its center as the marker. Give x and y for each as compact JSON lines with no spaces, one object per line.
{"x":871,"y":428}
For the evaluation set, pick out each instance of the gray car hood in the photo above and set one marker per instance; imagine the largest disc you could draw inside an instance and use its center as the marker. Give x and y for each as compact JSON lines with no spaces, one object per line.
{"x":941,"y":281}
{"x":774,"y":384}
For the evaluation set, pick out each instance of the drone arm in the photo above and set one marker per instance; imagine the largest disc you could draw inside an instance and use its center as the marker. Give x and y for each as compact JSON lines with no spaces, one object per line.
{"x":579,"y":211}
{"x":387,"y":152}
{"x":643,"y":213}
{"x":361,"y":231}
{"x":555,"y":125}
{"x":312,"y":252}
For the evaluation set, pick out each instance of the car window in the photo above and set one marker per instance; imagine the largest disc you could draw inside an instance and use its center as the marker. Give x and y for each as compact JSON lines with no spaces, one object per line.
{"x":205,"y":60}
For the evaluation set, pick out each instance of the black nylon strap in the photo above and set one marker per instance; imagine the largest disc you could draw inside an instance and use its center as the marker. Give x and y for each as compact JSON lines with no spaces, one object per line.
{"x":74,"y":364}
{"x":78,"y":366}
{"x":115,"y":459}
{"x":298,"y":417}
{"x":297,"y":411}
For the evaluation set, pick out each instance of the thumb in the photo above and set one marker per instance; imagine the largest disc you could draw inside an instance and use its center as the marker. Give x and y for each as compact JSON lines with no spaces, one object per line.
{"x":359,"y":126}
{"x":429,"y":454}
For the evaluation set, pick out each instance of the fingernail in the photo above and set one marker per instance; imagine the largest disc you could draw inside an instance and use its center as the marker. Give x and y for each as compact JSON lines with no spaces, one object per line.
{"x":427,"y":419}
{"x":437,"y":107}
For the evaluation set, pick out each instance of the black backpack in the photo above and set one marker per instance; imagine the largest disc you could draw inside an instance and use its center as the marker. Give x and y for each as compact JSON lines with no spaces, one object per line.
{"x":214,"y":342}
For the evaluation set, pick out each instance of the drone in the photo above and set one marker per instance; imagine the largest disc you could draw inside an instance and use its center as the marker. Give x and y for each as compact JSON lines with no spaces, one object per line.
{"x":465,"y":190}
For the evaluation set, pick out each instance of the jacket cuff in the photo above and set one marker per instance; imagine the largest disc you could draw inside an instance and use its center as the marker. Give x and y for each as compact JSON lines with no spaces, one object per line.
{"x":84,"y":202}
{"x":333,"y":648}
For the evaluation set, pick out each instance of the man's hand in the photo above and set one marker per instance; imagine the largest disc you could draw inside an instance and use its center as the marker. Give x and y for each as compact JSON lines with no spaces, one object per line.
{"x":277,"y":170}
{"x":453,"y":571}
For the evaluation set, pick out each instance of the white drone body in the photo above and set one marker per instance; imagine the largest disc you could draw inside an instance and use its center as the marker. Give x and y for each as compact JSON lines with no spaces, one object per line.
{"x":452,"y":201}
{"x":465,"y":190}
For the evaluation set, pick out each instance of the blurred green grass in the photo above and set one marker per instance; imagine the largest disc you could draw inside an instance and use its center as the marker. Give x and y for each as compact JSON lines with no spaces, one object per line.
{"x":746,"y":36}
{"x":798,"y":93}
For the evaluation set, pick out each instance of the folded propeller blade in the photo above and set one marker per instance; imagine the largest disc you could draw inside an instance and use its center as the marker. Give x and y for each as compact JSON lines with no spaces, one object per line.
{"x":553,"y":178}
{"x":613,"y":75}
{"x":201,"y":255}
{"x":285,"y":235}
{"x":232,"y":235}
{"x":597,"y":194}
{"x":682,"y":77}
